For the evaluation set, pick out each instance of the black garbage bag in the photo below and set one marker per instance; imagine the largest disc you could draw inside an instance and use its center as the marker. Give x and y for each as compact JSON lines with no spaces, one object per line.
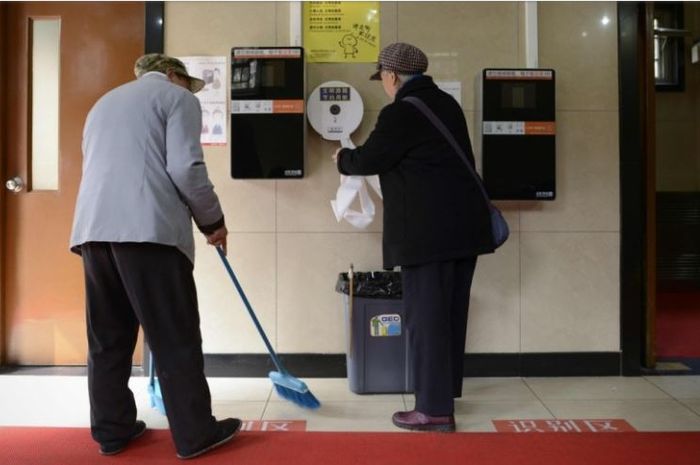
{"x":379,"y":284}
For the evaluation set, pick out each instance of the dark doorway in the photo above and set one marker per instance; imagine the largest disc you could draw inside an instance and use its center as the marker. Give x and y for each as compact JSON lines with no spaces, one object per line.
{"x":677,"y":132}
{"x":660,"y":216}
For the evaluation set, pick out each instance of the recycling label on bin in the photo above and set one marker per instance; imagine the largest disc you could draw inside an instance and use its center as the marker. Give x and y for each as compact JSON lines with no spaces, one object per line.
{"x":385,"y":325}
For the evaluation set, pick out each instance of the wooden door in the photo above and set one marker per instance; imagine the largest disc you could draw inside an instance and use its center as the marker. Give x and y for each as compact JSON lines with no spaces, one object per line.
{"x":43,"y":303}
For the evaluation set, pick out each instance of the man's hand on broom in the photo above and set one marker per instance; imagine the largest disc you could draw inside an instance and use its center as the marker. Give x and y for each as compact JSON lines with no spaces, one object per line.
{"x":218,"y":238}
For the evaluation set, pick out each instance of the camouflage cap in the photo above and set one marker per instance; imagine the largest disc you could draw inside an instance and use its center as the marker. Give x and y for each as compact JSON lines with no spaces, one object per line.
{"x":401,"y":58}
{"x":163,"y":63}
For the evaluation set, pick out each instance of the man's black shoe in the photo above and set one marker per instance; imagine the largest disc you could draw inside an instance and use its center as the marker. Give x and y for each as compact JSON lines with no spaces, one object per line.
{"x":225,"y":431}
{"x":114,"y":447}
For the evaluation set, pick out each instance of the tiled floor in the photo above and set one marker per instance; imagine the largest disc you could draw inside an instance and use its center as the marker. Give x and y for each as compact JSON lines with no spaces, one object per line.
{"x":654,"y":403}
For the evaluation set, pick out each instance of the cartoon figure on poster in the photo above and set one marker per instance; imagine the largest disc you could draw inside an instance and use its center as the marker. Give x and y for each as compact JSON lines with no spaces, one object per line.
{"x":207,"y":77}
{"x":211,"y":78}
{"x":349,"y":45}
{"x":205,"y":122}
{"x":216,"y":79}
{"x":218,"y":128}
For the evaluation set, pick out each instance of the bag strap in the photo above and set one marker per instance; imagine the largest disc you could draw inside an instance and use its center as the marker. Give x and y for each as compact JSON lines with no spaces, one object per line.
{"x":418,"y":103}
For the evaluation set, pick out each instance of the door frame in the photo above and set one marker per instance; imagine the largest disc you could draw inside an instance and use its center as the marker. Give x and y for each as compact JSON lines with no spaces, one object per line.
{"x":637,"y":187}
{"x":3,"y":191}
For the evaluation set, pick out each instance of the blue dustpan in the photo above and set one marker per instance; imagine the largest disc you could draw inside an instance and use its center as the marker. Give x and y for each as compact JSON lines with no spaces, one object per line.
{"x":154,"y":388}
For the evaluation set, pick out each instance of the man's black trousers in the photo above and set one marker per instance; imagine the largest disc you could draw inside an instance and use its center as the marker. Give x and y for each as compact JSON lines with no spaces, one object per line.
{"x":436,"y":301}
{"x":128,"y":284}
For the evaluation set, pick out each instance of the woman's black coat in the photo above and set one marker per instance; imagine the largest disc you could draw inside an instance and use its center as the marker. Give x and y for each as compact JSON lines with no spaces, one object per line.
{"x":433,"y":208}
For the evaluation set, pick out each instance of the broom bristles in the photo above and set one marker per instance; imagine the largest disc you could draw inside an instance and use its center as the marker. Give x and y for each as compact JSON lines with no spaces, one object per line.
{"x":293,"y":389}
{"x":302,"y":399}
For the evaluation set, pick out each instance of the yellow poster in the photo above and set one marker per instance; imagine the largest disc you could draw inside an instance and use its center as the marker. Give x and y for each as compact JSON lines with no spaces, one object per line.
{"x":341,"y":32}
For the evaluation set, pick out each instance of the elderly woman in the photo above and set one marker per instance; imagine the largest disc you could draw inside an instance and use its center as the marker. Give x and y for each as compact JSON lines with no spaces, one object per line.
{"x":436,"y":222}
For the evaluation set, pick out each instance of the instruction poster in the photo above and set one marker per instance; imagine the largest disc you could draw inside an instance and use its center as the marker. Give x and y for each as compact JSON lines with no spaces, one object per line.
{"x":212,"y":70}
{"x":341,"y":32}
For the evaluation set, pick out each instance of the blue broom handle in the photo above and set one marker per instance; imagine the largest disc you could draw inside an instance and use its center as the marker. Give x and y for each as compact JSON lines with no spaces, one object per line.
{"x":227,"y":265}
{"x":151,"y":370}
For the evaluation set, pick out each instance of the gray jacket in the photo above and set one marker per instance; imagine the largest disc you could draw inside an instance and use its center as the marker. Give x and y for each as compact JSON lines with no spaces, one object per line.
{"x":144,"y":177}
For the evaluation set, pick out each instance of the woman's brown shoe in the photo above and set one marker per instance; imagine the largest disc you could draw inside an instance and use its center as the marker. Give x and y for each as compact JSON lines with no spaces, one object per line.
{"x":417,"y":421}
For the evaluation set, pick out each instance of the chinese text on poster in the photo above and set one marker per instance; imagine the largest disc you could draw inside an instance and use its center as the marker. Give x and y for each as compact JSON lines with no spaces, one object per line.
{"x":341,"y":32}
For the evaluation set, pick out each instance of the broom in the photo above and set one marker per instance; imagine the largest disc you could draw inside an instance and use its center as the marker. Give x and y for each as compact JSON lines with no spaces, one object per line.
{"x":154,"y":392}
{"x":286,"y":385}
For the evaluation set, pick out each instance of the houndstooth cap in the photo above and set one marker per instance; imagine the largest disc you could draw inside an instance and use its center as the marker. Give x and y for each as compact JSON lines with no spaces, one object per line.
{"x":401,"y":58}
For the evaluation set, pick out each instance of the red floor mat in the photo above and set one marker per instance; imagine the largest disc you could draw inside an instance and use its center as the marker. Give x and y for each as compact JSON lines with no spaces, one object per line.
{"x":73,"y":446}
{"x":678,"y":324}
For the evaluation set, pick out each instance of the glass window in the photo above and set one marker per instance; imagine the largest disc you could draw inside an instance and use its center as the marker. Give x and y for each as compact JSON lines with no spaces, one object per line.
{"x":45,"y":73}
{"x":668,"y":46}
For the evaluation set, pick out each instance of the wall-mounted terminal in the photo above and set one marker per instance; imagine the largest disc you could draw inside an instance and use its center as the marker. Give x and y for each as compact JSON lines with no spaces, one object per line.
{"x":518,"y":134}
{"x":267,"y":112}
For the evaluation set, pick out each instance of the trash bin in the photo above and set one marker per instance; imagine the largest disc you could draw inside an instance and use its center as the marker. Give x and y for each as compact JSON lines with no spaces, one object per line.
{"x":377,"y":353}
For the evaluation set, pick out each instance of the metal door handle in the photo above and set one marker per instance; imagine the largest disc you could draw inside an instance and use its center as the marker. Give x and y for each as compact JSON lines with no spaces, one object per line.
{"x":14,"y":184}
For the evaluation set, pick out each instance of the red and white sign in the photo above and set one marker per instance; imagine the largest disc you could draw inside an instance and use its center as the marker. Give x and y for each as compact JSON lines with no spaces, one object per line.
{"x":274,"y":425}
{"x":563,"y":426}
